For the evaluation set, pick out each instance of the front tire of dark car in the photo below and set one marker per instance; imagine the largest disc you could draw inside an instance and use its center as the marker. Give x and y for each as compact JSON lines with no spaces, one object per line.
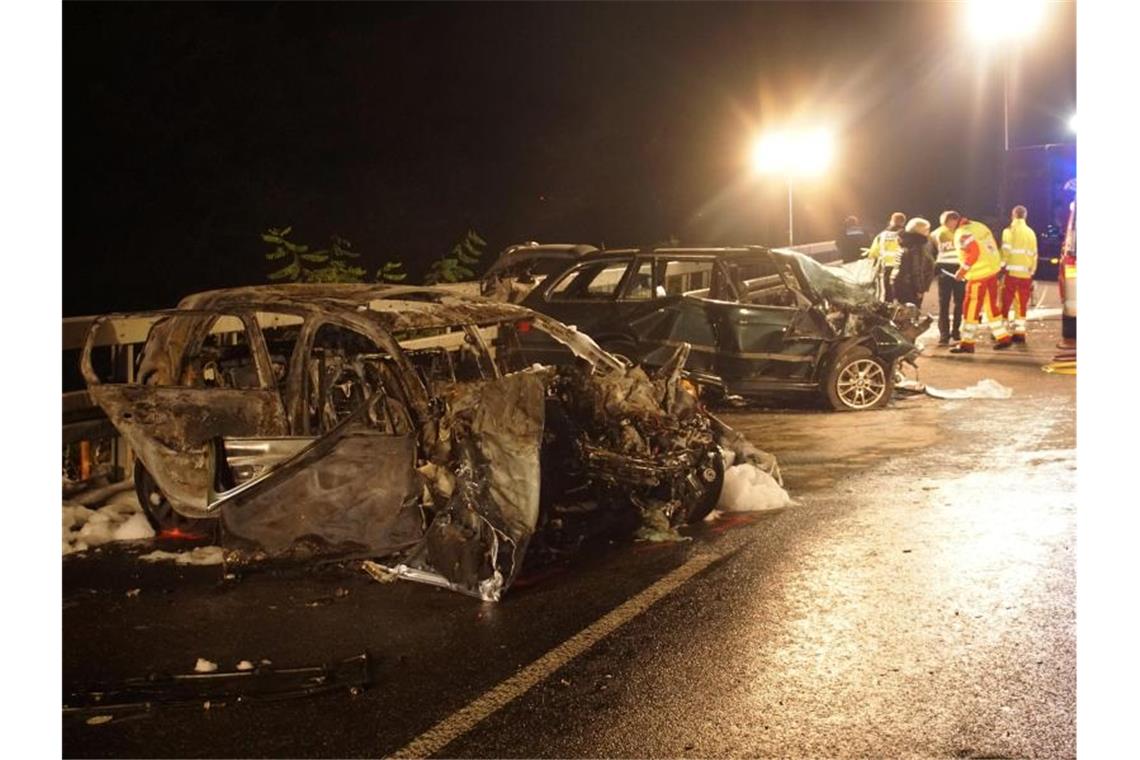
{"x":857,"y":381}
{"x":161,"y":514}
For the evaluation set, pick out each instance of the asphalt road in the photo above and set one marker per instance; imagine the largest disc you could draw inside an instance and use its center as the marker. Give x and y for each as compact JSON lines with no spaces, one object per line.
{"x":919,"y":600}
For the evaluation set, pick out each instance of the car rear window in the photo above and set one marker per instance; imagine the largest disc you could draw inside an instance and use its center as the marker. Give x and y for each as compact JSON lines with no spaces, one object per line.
{"x":597,"y":280}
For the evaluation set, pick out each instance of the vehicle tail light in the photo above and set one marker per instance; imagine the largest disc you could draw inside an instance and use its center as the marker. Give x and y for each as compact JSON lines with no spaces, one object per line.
{"x":523,"y":326}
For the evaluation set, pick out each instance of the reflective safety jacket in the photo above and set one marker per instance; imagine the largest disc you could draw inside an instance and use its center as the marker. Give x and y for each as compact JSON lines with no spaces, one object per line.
{"x":1019,"y":249}
{"x":886,"y":245}
{"x":980,"y":255}
{"x":943,"y":239}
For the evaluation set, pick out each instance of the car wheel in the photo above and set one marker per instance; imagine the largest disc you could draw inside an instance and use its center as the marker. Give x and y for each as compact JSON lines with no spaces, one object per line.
{"x":159,"y":512}
{"x":703,"y":489}
{"x":858,"y":381}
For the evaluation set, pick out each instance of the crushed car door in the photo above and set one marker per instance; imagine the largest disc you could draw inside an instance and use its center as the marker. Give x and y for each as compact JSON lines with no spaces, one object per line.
{"x":203,"y":375}
{"x":774,"y":338}
{"x":355,"y":491}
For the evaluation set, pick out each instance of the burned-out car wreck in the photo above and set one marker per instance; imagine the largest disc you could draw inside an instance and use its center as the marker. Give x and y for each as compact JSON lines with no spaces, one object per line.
{"x":759,"y":321}
{"x":402,"y":424}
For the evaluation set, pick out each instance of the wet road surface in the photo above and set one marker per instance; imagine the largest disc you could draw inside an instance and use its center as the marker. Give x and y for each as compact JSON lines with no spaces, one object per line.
{"x":918,"y":601}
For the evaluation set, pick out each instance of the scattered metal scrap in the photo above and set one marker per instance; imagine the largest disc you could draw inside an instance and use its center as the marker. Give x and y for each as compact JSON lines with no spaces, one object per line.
{"x":259,"y":683}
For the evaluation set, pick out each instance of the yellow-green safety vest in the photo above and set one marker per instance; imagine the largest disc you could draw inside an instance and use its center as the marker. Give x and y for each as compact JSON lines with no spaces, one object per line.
{"x":947,"y":251}
{"x":1019,"y":249}
{"x":989,"y":257}
{"x":886,"y":244}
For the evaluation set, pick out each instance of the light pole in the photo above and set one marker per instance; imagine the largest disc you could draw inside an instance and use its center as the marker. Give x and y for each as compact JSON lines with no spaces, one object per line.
{"x":790,"y":155}
{"x":1012,"y":22}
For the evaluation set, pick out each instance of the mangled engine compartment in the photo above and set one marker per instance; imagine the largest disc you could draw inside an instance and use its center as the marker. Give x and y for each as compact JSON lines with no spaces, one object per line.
{"x":531,"y":466}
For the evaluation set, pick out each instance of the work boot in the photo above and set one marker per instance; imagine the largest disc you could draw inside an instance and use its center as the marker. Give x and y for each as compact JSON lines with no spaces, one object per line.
{"x":963,"y":348}
{"x":1002,"y":344}
{"x":1018,"y":338}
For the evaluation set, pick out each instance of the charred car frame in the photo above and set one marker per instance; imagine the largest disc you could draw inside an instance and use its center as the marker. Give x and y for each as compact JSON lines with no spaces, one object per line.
{"x":356,"y":421}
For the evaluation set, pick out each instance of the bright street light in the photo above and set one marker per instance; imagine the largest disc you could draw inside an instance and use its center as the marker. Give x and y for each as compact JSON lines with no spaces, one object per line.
{"x":799,"y":154}
{"x":791,"y":155}
{"x":1011,"y":21}
{"x":1006,"y":19}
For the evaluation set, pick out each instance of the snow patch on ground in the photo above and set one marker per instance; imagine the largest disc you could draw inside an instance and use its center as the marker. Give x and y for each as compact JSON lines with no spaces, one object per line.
{"x":202,"y":555}
{"x":747,"y":488}
{"x":205,"y":666}
{"x":986,"y":388}
{"x":121,"y":519}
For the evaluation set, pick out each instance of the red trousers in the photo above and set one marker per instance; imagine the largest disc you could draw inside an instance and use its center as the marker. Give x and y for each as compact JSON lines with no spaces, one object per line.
{"x":1016,"y":292}
{"x":982,"y":298}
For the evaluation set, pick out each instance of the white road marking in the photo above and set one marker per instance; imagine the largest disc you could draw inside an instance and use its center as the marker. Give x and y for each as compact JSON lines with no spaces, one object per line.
{"x":464,"y":719}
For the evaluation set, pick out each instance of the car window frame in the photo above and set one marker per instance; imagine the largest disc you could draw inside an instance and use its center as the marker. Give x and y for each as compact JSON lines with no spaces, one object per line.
{"x":549,"y":296}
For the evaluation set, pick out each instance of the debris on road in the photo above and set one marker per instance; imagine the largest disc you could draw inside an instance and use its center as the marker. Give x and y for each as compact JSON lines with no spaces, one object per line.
{"x":747,"y":488}
{"x":200,"y":555}
{"x":205,"y":666}
{"x":122,"y":519}
{"x":210,"y":687}
{"x":986,"y":388}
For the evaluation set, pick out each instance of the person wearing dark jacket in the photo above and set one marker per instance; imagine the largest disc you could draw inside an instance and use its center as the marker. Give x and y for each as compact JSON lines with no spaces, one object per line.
{"x":851,"y":240}
{"x":916,"y":268}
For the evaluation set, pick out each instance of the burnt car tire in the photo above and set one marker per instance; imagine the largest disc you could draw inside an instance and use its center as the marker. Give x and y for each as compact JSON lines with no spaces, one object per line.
{"x":711,"y":479}
{"x":159,"y":512}
{"x":858,"y":381}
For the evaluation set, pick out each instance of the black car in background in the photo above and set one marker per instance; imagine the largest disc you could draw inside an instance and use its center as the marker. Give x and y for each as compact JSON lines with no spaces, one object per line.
{"x":759,"y":321}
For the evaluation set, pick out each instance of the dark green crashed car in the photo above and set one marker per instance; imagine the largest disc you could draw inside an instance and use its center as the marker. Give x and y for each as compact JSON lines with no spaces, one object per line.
{"x":760,"y":322}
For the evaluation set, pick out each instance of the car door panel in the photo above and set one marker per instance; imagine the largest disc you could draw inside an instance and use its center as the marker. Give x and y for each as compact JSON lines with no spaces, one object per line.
{"x":175,"y":428}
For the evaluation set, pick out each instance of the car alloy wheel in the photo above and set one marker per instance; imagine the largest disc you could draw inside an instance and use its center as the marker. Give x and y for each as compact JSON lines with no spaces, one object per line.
{"x":861,"y":384}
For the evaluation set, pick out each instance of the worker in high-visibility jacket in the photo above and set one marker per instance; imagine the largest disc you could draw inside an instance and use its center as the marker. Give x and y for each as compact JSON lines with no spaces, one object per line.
{"x":979,"y":266}
{"x":1019,"y":261}
{"x":946,"y":262}
{"x":885,"y":250}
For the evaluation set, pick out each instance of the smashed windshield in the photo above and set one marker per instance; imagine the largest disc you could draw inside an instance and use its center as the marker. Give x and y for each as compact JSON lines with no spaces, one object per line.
{"x":851,"y":285}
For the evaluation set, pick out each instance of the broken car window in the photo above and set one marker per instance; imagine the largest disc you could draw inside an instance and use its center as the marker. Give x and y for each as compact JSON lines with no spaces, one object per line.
{"x":345,"y":369}
{"x":840,"y":286}
{"x":281,"y":333}
{"x":452,"y":355}
{"x":689,"y":278}
{"x":641,"y":286}
{"x":597,"y":280}
{"x":199,"y":350}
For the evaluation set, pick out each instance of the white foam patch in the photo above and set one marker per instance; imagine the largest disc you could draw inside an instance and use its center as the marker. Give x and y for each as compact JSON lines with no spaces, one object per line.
{"x":201,"y":555}
{"x":986,"y":388}
{"x":747,"y":488}
{"x":122,"y":519}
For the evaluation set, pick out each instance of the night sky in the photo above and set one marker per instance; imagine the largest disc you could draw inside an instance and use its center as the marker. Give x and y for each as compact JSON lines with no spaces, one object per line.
{"x":189,"y":129}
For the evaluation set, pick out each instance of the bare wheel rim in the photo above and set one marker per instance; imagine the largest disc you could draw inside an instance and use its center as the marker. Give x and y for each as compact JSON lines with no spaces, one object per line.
{"x":861,"y":384}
